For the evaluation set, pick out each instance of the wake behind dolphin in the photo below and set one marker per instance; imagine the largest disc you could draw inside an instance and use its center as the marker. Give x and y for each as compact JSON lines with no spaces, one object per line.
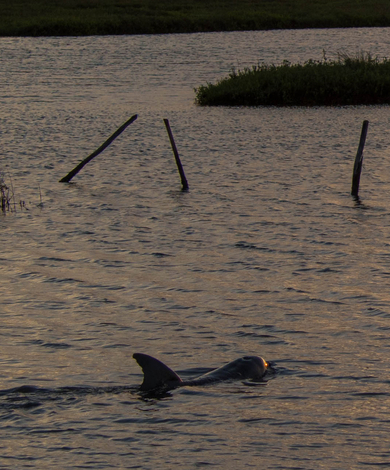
{"x":159,"y":376}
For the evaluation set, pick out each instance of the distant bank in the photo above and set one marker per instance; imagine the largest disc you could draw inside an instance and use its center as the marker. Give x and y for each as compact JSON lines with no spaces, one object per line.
{"x":109,"y":17}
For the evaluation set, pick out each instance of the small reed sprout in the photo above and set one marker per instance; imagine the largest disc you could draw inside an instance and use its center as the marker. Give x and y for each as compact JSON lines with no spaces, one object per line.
{"x":7,"y":195}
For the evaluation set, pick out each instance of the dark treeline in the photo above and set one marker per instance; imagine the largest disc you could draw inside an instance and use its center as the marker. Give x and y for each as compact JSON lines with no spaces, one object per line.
{"x":101,"y":17}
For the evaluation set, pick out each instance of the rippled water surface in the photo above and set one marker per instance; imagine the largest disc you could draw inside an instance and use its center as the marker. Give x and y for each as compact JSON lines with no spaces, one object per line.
{"x":266,"y":254}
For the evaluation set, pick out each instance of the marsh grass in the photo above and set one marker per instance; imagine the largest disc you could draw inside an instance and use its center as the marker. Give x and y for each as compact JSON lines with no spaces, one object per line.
{"x":7,"y":199}
{"x":7,"y":195}
{"x":97,"y":17}
{"x":348,"y":80}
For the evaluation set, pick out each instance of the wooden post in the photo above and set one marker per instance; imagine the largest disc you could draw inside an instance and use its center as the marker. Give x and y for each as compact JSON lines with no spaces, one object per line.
{"x":75,"y":170}
{"x":357,"y":168}
{"x":184,"y":182}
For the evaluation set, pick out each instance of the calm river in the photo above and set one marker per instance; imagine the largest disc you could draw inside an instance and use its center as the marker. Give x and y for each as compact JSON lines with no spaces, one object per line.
{"x":267,"y":254}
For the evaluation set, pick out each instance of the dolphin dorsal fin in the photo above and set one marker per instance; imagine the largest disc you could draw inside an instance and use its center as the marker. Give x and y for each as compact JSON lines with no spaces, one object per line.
{"x":156,"y":373}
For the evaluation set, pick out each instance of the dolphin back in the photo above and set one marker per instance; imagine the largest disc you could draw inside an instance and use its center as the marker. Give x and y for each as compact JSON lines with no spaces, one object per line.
{"x":156,"y":373}
{"x":159,"y":376}
{"x":244,"y":368}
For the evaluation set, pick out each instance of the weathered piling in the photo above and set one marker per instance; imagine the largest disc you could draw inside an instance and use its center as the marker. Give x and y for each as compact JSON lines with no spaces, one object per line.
{"x":357,"y":168}
{"x":184,"y":182}
{"x":75,"y":170}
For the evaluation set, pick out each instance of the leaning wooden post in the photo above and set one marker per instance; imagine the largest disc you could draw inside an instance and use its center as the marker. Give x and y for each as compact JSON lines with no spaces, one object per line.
{"x":184,"y":182}
{"x":357,"y":168}
{"x":75,"y":170}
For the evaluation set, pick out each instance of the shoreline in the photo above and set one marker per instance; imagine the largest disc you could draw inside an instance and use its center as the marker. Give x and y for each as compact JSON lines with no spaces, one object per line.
{"x":192,"y":32}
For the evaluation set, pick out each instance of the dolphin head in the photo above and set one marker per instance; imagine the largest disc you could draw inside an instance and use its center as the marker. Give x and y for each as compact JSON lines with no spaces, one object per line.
{"x":256,"y":365}
{"x":247,"y":367}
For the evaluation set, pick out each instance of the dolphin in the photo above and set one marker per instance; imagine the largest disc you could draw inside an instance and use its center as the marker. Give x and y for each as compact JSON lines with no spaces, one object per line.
{"x":158,"y":376}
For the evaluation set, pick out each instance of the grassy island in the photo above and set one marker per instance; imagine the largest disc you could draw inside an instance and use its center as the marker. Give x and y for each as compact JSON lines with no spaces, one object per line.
{"x":98,"y":17}
{"x":345,"y":81}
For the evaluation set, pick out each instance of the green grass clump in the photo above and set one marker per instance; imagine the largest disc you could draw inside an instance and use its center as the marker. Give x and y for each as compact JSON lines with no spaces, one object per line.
{"x":345,"y":81}
{"x":98,"y":17}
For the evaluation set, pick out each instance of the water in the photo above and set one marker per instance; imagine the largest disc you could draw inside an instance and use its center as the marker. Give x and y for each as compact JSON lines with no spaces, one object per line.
{"x":267,"y":254}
